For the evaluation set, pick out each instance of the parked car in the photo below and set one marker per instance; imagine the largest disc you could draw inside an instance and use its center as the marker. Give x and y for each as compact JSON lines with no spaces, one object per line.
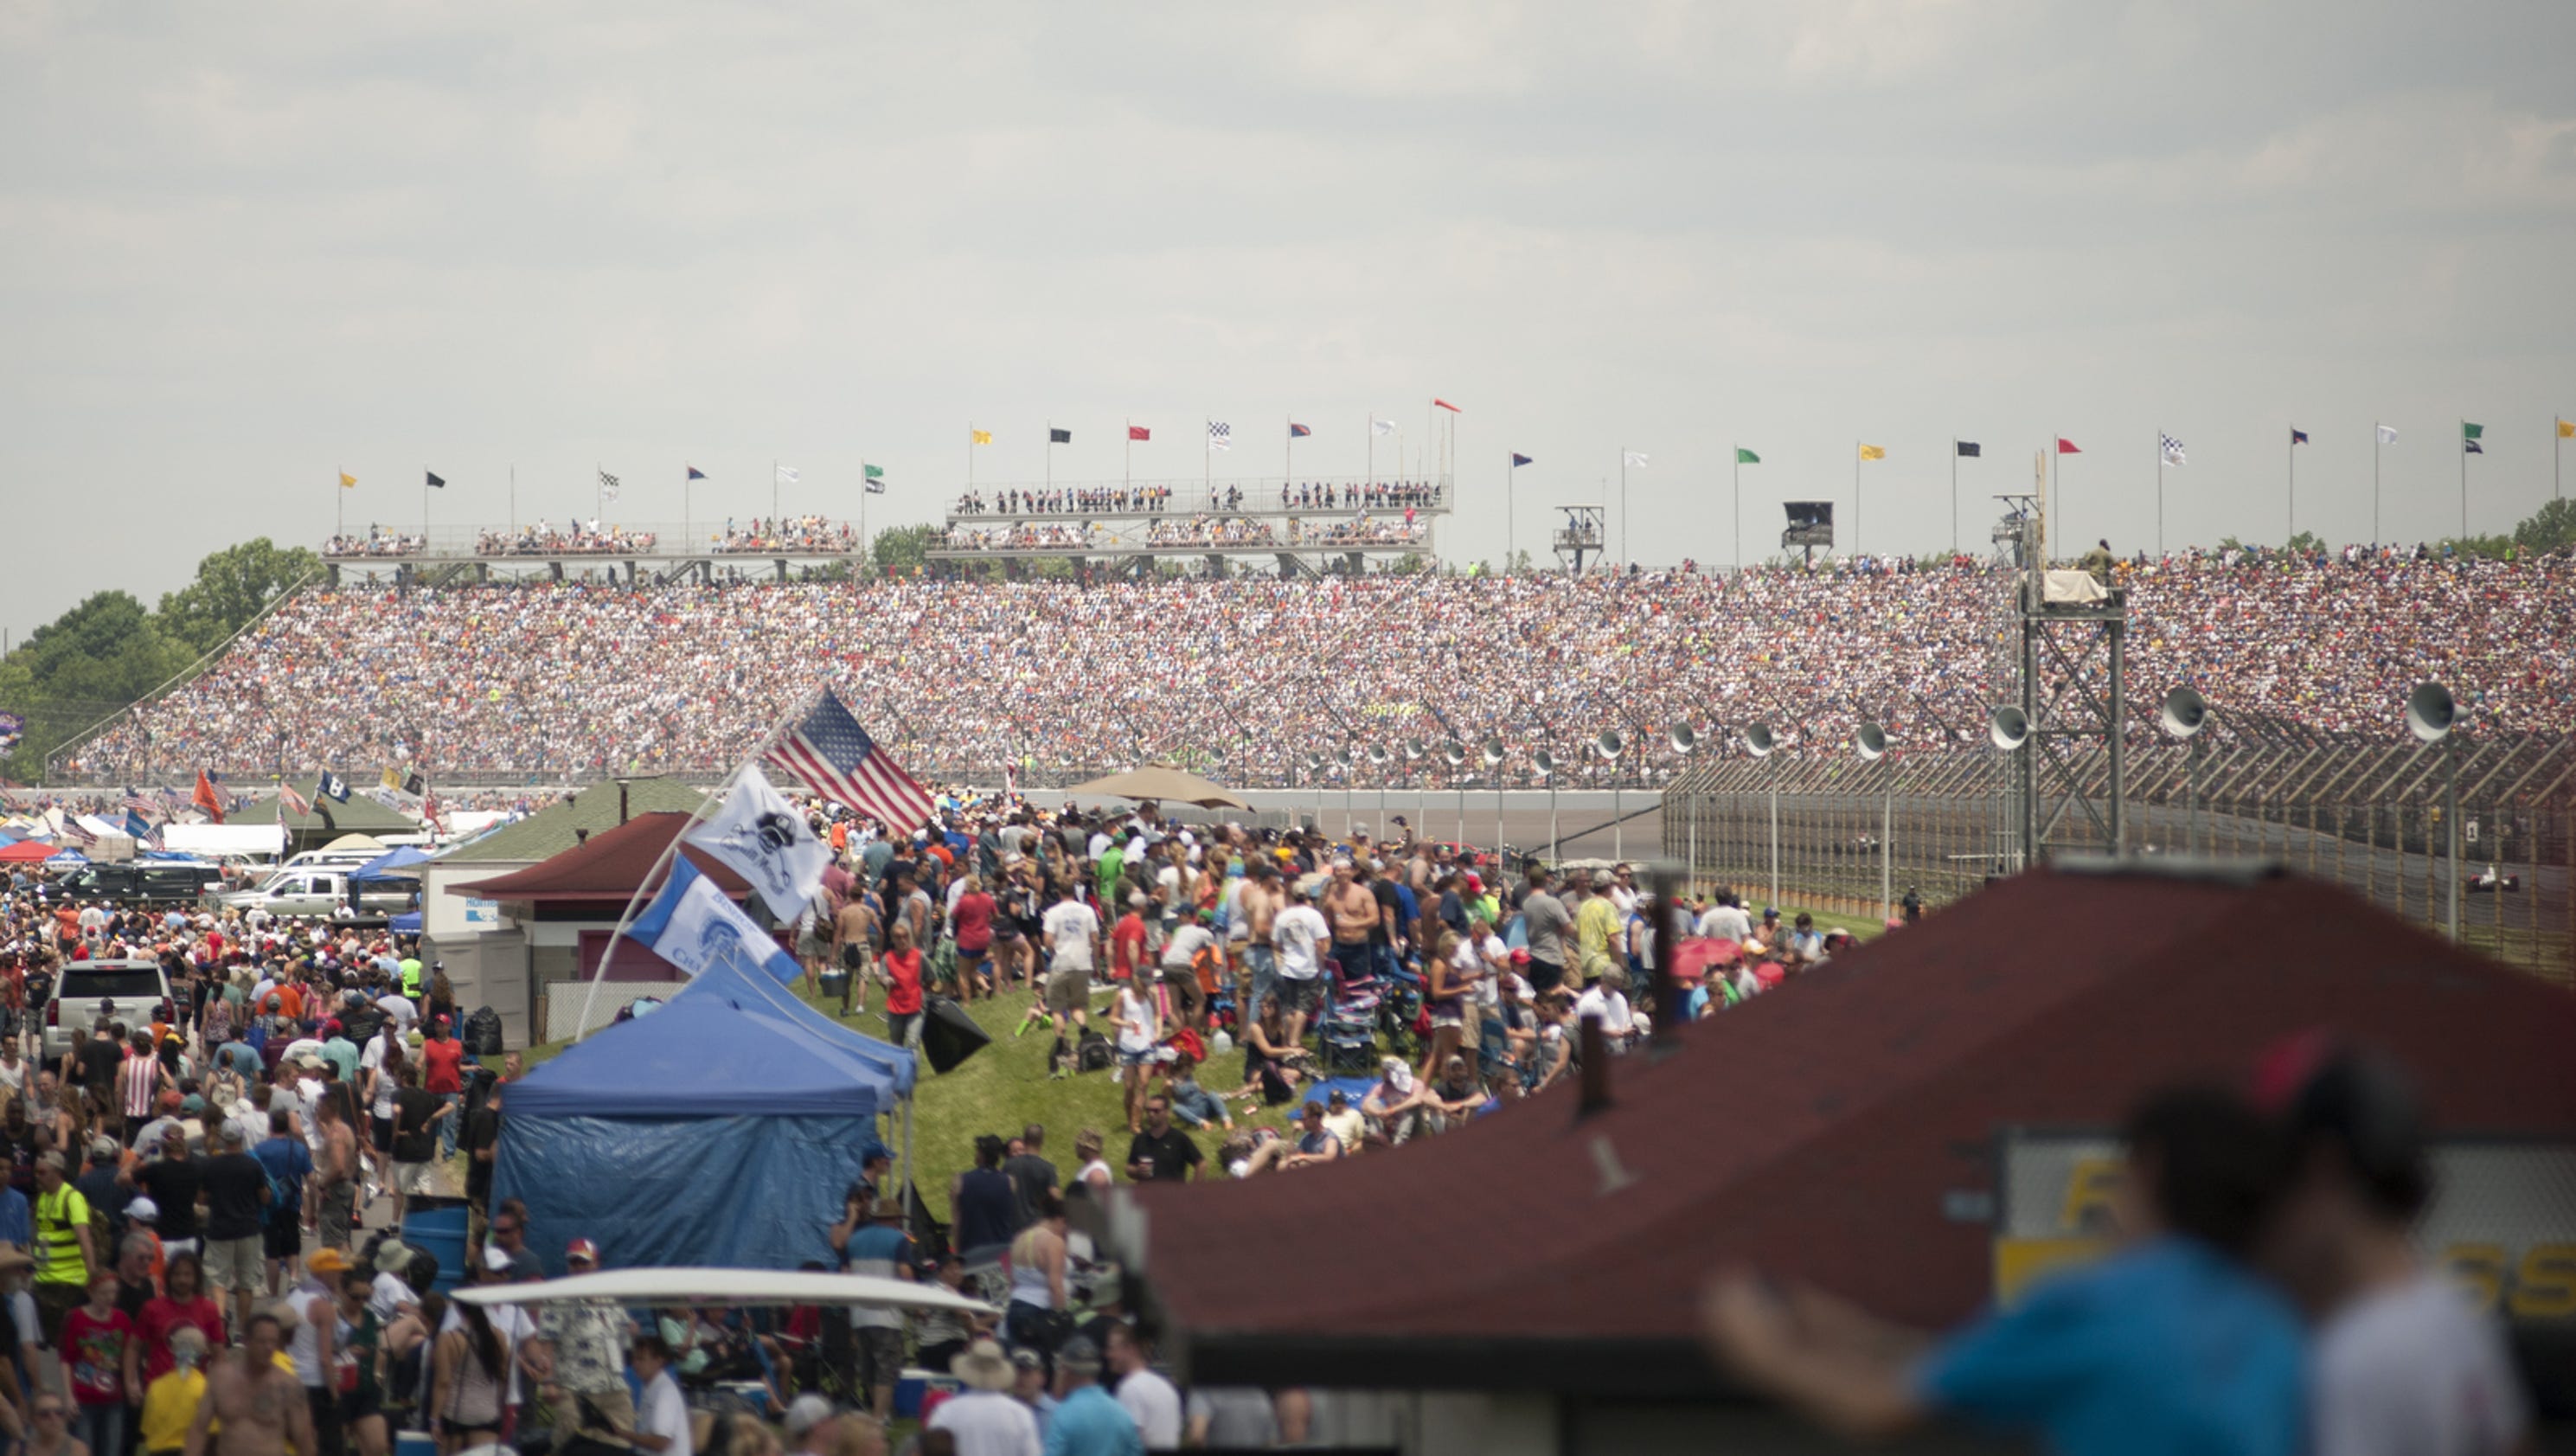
{"x":315,"y":893}
{"x":136,"y":992}
{"x":143,"y":882}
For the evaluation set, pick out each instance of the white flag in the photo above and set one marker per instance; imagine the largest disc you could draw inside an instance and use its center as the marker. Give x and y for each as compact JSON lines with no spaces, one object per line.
{"x":1381,"y":427}
{"x":786,"y":475}
{"x":2172,"y":448}
{"x":1220,"y":435}
{"x":1636,"y":458}
{"x":2388,"y":434}
{"x":763,"y":838}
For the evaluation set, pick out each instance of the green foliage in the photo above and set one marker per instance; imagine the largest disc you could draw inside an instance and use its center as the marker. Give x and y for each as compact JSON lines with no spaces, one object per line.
{"x":903,"y":548}
{"x":2549,"y":528}
{"x":2307,"y":543}
{"x":233,"y":586}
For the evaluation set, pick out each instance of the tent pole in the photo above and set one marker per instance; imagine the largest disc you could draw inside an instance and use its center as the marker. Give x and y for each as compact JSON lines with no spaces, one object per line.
{"x":599,"y":973}
{"x":903,"y":1172}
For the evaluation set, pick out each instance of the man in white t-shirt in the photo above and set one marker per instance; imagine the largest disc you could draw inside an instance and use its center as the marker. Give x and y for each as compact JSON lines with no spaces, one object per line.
{"x":1143,"y":1393}
{"x":1607,"y":998}
{"x":1726,"y":920}
{"x":1299,"y":935}
{"x":661,"y":1415}
{"x":985,"y":1419}
{"x":2404,"y":1364}
{"x":1072,"y":931}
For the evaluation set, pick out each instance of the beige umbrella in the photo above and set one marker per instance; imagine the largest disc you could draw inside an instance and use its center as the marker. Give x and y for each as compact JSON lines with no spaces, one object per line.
{"x":1160,"y":782}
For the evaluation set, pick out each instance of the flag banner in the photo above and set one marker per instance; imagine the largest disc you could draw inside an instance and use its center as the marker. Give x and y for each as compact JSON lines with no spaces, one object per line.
{"x":1635,"y":458}
{"x":434,"y":480}
{"x":2169,"y":448}
{"x":1519,"y":460}
{"x":836,"y":759}
{"x":694,"y":926}
{"x":1139,"y":432}
{"x":1220,"y":435}
{"x":2470,"y":435}
{"x":607,"y":488}
{"x":416,"y":786}
{"x":2387,"y":434}
{"x":2567,"y":429}
{"x":348,"y":481}
{"x":137,"y":802}
{"x":766,"y":840}
{"x":1297,"y":431}
{"x":1968,"y":450}
{"x":2473,"y":447}
{"x":982,"y":437}
{"x":1381,"y":427}
{"x":876,"y":487}
{"x":1059,"y":437}
{"x":333,"y":787}
{"x":135,"y":827}
{"x":871,"y":472}
{"x":1746,"y":457}
{"x":287,"y":795}
{"x":390,"y":778}
{"x":787,"y":474}
{"x":2298,"y":437}
{"x":1444,"y":404}
{"x":1873,"y":452}
{"x":207,"y":799}
{"x":696,"y":474}
{"x":2066,"y":446}
{"x":12,"y":727}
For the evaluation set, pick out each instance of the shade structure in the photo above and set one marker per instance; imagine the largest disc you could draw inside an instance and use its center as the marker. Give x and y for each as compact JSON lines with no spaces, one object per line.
{"x":731,"y":1289}
{"x":29,"y":851}
{"x":654,"y":1136}
{"x":397,"y":865}
{"x":1160,"y":782}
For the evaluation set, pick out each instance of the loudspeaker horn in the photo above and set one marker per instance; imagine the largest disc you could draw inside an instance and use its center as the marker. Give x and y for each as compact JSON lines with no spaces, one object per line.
{"x":1544,"y":762}
{"x":1682,"y":736}
{"x":1342,"y":755}
{"x":1415,"y":748}
{"x":2183,"y":713}
{"x":1453,"y":753}
{"x":2009,"y":727}
{"x":1871,"y":740}
{"x":1491,"y":750}
{"x":1758,"y":740}
{"x":2430,"y":712}
{"x":1610,"y":744}
{"x":1377,"y":753}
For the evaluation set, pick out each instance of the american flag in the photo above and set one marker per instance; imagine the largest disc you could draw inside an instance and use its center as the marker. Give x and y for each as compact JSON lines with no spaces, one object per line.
{"x":137,"y":801}
{"x":836,"y":759}
{"x":293,"y":800}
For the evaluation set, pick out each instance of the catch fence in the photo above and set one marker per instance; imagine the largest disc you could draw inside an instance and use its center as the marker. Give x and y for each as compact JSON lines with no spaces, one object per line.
{"x":1854,"y":836}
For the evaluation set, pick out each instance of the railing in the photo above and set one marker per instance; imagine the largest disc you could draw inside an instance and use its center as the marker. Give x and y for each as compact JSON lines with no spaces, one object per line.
{"x":1186,"y":535}
{"x":1094,"y":499}
{"x":2364,"y":815}
{"x":606,"y":541}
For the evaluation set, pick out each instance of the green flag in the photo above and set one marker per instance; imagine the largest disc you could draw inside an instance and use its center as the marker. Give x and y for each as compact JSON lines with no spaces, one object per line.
{"x":1746,"y":457}
{"x":2470,"y":435}
{"x":874,"y":472}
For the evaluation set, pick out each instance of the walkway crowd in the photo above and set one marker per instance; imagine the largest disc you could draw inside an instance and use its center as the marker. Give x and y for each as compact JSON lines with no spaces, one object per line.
{"x":964,"y":679}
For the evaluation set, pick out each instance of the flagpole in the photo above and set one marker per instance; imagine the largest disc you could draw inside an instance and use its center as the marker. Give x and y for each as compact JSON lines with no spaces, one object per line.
{"x":339,"y":505}
{"x":2464,"y":482}
{"x":1855,"y":541}
{"x":2290,"y":488}
{"x":1127,"y":471}
{"x":1623,"y":508}
{"x":1738,"y":453}
{"x":2056,"y":495}
{"x":773,"y":491}
{"x":2375,"y":442}
{"x":626,"y":918}
{"x":1511,"y":514}
{"x":1954,"y":495}
{"x":2160,"y":495}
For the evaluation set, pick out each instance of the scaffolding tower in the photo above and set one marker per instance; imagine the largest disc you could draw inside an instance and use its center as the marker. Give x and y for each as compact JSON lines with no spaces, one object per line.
{"x":2070,"y":683}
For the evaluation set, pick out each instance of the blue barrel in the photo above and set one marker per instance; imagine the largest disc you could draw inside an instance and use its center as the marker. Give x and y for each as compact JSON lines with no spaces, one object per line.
{"x":436,"y":1226}
{"x":415,"y":1443}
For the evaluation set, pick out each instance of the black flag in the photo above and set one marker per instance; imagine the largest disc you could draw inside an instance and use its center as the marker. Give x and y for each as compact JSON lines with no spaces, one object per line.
{"x":1968,"y":450}
{"x":1059,"y":437}
{"x":434,"y":482}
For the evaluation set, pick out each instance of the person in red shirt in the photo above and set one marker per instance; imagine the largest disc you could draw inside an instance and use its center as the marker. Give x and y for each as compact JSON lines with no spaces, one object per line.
{"x":972,"y":921}
{"x":442,"y":1062}
{"x":901,"y":967}
{"x":1127,"y":940}
{"x":102,"y":1362}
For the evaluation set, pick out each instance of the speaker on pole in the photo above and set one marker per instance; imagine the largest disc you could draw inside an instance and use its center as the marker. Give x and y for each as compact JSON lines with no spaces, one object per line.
{"x":1491,"y":750}
{"x":2009,"y":727}
{"x":1682,"y":736}
{"x":1453,"y":753}
{"x":2430,"y":712}
{"x":1610,"y":744}
{"x":1871,"y":740}
{"x":1758,"y":740}
{"x":2183,"y":713}
{"x":1544,"y":762}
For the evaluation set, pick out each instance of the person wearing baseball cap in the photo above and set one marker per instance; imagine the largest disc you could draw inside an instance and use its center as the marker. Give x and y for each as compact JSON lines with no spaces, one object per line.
{"x":581,"y":1346}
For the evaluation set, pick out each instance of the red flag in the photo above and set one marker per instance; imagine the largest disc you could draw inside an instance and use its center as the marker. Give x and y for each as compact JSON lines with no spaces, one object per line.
{"x":1444,"y":404}
{"x":2066,"y":446}
{"x":1139,"y":432}
{"x":207,"y":799}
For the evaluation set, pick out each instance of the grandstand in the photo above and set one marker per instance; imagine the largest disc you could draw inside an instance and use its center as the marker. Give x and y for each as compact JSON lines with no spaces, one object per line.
{"x":1304,"y":527}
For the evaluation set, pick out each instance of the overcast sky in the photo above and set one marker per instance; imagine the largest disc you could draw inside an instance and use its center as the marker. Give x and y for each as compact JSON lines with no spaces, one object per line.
{"x":243,"y":248}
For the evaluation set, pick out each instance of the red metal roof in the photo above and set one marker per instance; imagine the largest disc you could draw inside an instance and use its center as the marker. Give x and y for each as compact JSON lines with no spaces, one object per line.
{"x":1815,"y":1132}
{"x":604,"y":870}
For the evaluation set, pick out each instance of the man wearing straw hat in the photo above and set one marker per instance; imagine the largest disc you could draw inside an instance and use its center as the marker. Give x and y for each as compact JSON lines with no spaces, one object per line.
{"x":986,"y":1421}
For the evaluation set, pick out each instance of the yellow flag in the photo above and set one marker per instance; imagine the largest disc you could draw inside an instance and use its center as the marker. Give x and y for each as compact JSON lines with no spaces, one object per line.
{"x":983,"y":437}
{"x":2567,"y":429}
{"x":1873,"y":452}
{"x":348,"y":481}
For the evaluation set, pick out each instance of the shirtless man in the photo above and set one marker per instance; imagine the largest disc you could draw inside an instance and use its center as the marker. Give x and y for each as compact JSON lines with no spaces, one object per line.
{"x":262,"y":1407}
{"x":1352,"y":908}
{"x":854,"y":939}
{"x":335,"y":1176}
{"x":1261,"y":902}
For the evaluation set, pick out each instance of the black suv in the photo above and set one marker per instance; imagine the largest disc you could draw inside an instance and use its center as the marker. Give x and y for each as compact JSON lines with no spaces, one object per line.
{"x":142,"y":883}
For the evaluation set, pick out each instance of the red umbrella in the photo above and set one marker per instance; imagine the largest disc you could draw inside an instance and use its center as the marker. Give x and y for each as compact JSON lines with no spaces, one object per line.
{"x":1691,"y":966}
{"x":29,"y":851}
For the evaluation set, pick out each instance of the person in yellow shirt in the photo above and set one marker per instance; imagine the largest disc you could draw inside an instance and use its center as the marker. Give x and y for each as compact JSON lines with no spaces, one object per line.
{"x":1596,"y":929}
{"x":171,"y":1401}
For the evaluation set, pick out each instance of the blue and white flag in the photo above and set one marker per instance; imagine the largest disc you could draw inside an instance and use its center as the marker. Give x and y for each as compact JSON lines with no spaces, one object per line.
{"x":766,"y":840}
{"x":693,"y":925}
{"x":333,"y":787}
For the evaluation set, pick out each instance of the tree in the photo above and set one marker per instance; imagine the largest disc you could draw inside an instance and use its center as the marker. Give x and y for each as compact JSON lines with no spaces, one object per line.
{"x":903,"y":548}
{"x":233,"y":586}
{"x":2549,"y":528}
{"x":77,"y":669}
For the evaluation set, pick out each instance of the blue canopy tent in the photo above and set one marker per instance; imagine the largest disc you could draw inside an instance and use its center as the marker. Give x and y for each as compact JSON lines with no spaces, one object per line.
{"x":407,"y":923}
{"x":383,"y":865}
{"x":719,"y":1132}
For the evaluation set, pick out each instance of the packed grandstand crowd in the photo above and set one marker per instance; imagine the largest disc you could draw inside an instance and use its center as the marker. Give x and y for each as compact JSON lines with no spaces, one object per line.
{"x":1310,"y":495}
{"x":1257,"y":675}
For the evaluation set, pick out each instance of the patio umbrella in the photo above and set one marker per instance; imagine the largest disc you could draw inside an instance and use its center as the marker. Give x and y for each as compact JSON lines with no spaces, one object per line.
{"x":1160,"y":782}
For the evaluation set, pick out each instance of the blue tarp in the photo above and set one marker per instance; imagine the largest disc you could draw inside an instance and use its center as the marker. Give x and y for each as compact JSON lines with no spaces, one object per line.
{"x":407,"y":923}
{"x":720,"y":1131}
{"x":380,"y":867}
{"x":68,"y":857}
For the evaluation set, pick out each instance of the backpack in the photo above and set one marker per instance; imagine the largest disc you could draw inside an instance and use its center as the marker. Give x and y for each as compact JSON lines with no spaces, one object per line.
{"x":280,"y":1200}
{"x":1094,"y":1053}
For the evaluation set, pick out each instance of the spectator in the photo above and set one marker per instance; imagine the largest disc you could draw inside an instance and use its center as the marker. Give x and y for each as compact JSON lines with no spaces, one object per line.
{"x":1088,"y":1420}
{"x":985,"y":1420}
{"x":1142,"y":1391}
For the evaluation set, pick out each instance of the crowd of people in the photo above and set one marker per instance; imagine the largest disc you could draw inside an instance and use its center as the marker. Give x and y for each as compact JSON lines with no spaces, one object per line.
{"x":1155,"y":500}
{"x":572,"y":538}
{"x":378,"y":541}
{"x":787,"y":533}
{"x":965,"y":679}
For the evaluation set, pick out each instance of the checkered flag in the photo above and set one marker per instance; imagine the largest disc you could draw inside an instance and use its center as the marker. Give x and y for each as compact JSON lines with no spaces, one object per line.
{"x":1220,"y":435}
{"x":2172,"y":448}
{"x":607,"y":486}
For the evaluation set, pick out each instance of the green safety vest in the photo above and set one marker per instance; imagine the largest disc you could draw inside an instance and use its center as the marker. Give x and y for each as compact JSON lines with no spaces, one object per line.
{"x":60,"y":1216}
{"x":411,"y":978}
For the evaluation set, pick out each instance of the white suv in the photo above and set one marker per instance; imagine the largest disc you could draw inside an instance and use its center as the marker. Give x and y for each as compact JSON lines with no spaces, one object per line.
{"x":135,"y":991}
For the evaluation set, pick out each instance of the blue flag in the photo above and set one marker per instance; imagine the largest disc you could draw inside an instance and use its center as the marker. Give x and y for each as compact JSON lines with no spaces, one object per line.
{"x":136,"y":829}
{"x":696,"y":474}
{"x":1519,"y":460}
{"x":693,"y":925}
{"x":333,"y":787}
